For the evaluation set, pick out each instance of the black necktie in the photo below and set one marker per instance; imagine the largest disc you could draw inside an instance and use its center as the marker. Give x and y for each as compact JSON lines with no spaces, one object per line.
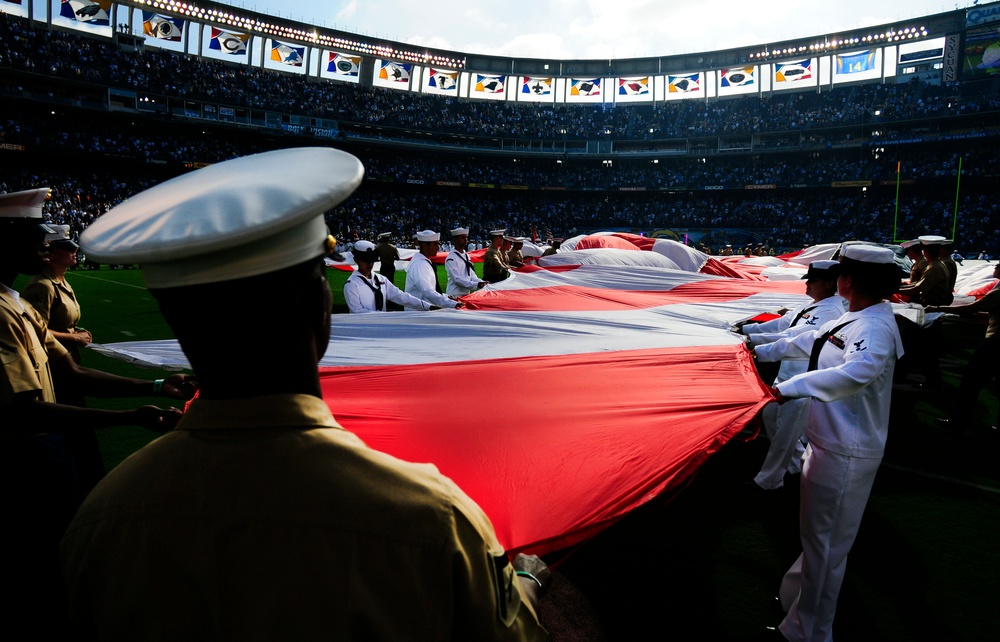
{"x":800,"y":315}
{"x":377,"y":291}
{"x":821,"y":341}
{"x":434,"y":272}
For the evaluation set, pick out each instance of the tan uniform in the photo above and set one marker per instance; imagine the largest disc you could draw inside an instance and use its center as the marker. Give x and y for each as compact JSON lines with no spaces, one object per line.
{"x":56,"y":302}
{"x":26,"y":348}
{"x":495,"y":267}
{"x":515,"y":258}
{"x":38,"y":488}
{"x":387,"y":255}
{"x":932,"y":288}
{"x":917,"y":269}
{"x":262,"y":519}
{"x":952,"y":269}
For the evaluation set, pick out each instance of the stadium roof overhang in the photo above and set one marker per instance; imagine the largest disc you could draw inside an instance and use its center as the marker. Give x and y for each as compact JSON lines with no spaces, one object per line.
{"x":300,"y":32}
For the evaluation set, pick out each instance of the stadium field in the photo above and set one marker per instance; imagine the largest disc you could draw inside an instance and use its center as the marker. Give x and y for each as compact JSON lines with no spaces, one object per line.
{"x":706,"y":563}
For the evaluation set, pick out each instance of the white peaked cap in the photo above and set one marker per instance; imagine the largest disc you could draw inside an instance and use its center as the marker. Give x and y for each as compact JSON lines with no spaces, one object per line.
{"x":868,"y":254}
{"x":244,"y":217}
{"x":26,"y":204}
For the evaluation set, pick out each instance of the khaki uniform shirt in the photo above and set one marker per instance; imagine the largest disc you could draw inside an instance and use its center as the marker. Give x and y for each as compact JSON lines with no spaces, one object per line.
{"x":387,"y":255}
{"x":56,"y":302}
{"x":932,"y":288}
{"x":495,"y":266}
{"x":917,"y":269}
{"x":26,"y":348}
{"x":952,"y":269}
{"x":262,"y":519}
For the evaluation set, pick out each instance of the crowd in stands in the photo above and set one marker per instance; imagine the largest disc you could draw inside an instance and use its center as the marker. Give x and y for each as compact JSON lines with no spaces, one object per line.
{"x":786,"y":220}
{"x":589,"y":197}
{"x":146,"y":142}
{"x":164,"y":73}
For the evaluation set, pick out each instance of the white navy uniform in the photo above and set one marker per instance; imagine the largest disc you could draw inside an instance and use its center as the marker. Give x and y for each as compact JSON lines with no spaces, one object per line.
{"x":462,"y":277}
{"x":421,"y":282}
{"x":359,"y":292}
{"x":847,"y":428}
{"x":785,"y":424}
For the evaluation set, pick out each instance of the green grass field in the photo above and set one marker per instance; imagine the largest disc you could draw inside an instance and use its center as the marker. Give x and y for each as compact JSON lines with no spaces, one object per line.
{"x":925,"y":566}
{"x":117,"y":307}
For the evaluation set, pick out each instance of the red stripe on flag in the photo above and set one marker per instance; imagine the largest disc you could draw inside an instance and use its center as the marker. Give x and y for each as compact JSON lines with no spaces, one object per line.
{"x":587,"y":298}
{"x":555,"y":448}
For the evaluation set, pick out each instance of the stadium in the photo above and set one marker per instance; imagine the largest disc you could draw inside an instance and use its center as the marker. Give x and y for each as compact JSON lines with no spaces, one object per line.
{"x":880,"y":134}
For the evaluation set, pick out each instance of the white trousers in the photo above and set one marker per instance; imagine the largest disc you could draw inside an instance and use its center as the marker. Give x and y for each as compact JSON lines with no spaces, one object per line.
{"x":784,"y":425}
{"x":835,"y":490}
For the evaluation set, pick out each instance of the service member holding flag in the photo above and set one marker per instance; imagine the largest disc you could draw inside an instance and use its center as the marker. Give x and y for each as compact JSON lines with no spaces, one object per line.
{"x":367,"y":292}
{"x":462,"y":277}
{"x":849,"y":380}
{"x":421,"y":274}
{"x":259,"y":517}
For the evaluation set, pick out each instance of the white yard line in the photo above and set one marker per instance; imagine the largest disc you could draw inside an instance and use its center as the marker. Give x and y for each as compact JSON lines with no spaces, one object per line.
{"x":127,"y":285}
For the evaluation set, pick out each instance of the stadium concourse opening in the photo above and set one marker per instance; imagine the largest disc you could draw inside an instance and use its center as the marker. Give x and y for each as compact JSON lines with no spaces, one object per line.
{"x":886,"y":138}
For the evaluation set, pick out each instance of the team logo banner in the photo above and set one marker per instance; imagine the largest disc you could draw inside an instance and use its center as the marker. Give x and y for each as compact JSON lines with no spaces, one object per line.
{"x":585,"y":87}
{"x":633,"y":86}
{"x":94,"y":13}
{"x":537,"y":86}
{"x":683,"y":84}
{"x":287,"y":54}
{"x":443,"y":80}
{"x":343,"y":64}
{"x":398,"y":72}
{"x":738,"y":77}
{"x":490,"y":84}
{"x":793,"y":71}
{"x":233,"y":44}
{"x":856,"y":63}
{"x":162,"y":27}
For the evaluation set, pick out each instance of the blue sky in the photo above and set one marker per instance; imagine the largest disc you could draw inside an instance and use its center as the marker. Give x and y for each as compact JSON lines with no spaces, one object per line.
{"x":596,"y":28}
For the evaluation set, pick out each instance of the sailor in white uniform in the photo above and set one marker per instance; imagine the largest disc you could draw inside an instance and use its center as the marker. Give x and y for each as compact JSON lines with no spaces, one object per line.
{"x":786,"y":423}
{"x":851,"y":361}
{"x":421,"y":274}
{"x":366,"y":291}
{"x":462,"y":278}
